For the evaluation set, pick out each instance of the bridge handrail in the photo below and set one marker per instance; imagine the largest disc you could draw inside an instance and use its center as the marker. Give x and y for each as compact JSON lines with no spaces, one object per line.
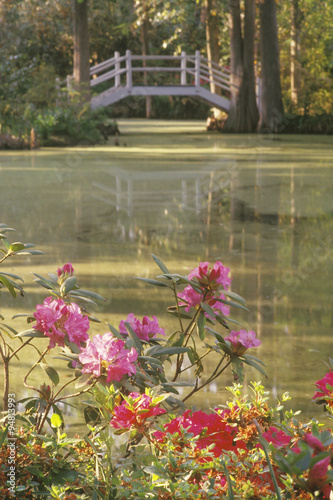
{"x":201,"y":69}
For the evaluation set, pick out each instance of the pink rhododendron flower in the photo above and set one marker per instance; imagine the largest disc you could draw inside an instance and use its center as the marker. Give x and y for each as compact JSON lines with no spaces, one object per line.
{"x":191,"y":298}
{"x":211,"y":277}
{"x":323,"y":385}
{"x":242,"y":340}
{"x":107,"y":354}
{"x":58,"y":320}
{"x":136,"y":412}
{"x":67,"y":270}
{"x":146,"y":329}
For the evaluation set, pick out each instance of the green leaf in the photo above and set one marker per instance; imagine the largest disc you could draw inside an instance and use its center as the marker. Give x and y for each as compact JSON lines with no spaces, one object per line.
{"x":13,"y":276}
{"x":83,"y":381}
{"x":234,"y":296}
{"x":16,"y":247}
{"x":115,"y":332}
{"x":8,"y":284}
{"x":68,"y":285}
{"x":51,"y":373}
{"x":183,"y":279}
{"x":3,"y":436}
{"x":217,"y":335}
{"x":154,"y":282}
{"x":31,"y":333}
{"x":30,"y":252}
{"x":232,"y":304}
{"x":201,"y":322}
{"x":255,"y":365}
{"x":206,"y":307}
{"x":88,"y":293}
{"x":134,"y":337}
{"x":238,"y":369}
{"x":160,"y":264}
{"x":166,"y":351}
{"x":50,"y":285}
{"x":56,"y":421}
{"x":230,"y":490}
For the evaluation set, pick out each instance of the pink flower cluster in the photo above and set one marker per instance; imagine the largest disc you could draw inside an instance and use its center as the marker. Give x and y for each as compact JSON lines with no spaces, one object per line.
{"x":211,"y":277}
{"x":145,"y":330}
{"x":58,"y":321}
{"x":107,"y":354}
{"x":67,"y":270}
{"x":211,"y":280}
{"x":242,"y":340}
{"x":134,"y":412}
{"x":191,"y":298}
{"x":210,"y":428}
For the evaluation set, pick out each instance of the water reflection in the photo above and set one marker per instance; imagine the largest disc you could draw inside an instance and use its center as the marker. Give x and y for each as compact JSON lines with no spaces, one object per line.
{"x":262,"y":206}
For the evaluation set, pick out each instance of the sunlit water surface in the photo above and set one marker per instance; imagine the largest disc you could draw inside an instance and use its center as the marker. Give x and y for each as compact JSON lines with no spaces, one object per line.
{"x":261,"y":204}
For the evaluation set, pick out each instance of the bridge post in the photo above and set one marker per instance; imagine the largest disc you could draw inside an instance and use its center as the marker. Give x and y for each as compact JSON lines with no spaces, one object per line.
{"x":117,"y":68}
{"x":197,"y":69}
{"x":183,"y":69}
{"x":128,"y":69}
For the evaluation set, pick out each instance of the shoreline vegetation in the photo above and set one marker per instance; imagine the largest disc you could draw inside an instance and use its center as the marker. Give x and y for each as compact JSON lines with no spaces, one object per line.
{"x":96,"y":131}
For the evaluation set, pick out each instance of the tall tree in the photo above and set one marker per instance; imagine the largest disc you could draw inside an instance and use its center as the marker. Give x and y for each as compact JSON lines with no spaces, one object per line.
{"x":81,"y":65}
{"x":212,"y":43}
{"x":271,"y":108}
{"x":243,"y":114}
{"x":295,"y":82}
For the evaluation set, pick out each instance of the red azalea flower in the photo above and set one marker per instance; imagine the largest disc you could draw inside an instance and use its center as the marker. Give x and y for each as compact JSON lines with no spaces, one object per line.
{"x":135,"y":411}
{"x":325,"y":386}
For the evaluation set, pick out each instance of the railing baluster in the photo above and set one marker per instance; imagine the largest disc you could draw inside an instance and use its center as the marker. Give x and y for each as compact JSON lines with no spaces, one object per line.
{"x":197,"y":69}
{"x":128,"y":69}
{"x":117,"y":68}
{"x":183,"y":69}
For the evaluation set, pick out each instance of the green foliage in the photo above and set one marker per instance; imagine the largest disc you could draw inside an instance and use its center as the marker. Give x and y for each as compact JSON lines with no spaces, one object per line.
{"x":135,"y":445}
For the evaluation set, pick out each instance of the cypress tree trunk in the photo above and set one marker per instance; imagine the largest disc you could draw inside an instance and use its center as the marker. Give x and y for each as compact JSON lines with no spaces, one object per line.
{"x":271,"y":112}
{"x":295,"y":82}
{"x":81,"y":63}
{"x":243,"y":114}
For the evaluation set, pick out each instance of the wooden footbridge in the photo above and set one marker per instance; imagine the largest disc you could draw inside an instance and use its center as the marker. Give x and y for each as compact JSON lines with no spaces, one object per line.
{"x":183,"y":75}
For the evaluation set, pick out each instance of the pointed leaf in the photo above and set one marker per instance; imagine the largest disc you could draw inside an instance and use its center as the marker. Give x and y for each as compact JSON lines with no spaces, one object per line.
{"x":160,"y":264}
{"x":201,"y":322}
{"x":154,"y":282}
{"x":16,"y":247}
{"x":8,"y":284}
{"x":134,"y":337}
{"x":68,"y":285}
{"x":51,"y":373}
{"x":56,"y":421}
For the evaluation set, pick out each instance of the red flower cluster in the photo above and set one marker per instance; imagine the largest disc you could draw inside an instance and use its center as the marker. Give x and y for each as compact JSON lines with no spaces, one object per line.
{"x":211,"y":429}
{"x":134,"y":411}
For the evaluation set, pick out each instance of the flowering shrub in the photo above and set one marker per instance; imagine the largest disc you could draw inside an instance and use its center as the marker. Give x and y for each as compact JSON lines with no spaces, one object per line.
{"x":245,"y":448}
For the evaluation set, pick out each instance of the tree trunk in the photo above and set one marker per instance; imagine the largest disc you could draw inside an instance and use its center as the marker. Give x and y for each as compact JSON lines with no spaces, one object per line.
{"x":243,"y":114}
{"x":212,"y":41}
{"x":295,"y":82}
{"x":271,"y":112}
{"x":145,"y":52}
{"x":81,"y":63}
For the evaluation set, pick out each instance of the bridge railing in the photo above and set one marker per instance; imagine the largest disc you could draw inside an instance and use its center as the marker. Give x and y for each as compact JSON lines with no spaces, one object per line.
{"x":184,"y":70}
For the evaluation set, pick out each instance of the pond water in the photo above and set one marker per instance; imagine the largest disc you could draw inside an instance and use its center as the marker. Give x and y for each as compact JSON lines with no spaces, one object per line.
{"x":261,"y":204}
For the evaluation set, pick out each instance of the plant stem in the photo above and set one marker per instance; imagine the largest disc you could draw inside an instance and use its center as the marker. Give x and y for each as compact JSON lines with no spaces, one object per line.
{"x":208,"y":381}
